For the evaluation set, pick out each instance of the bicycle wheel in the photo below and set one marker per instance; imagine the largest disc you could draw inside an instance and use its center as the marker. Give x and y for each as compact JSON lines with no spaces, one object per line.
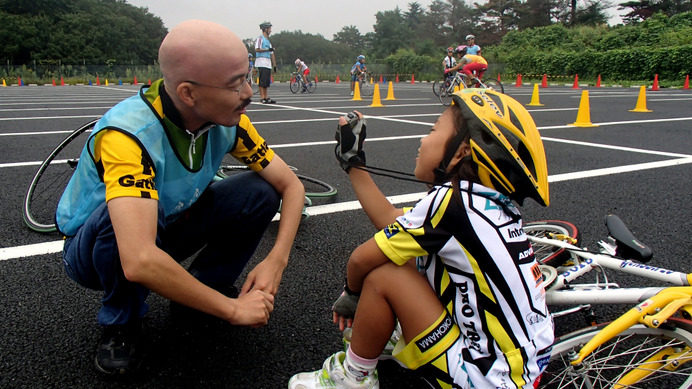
{"x":436,"y":86}
{"x":630,"y":354}
{"x":445,"y":93}
{"x":547,"y":254}
{"x":366,"y":88}
{"x":50,"y":180}
{"x":312,"y":85}
{"x":494,"y":84}
{"x":315,"y":187}
{"x":294,"y":85}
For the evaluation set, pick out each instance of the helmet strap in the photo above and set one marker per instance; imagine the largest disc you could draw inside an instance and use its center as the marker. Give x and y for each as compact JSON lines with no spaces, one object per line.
{"x":440,"y":172}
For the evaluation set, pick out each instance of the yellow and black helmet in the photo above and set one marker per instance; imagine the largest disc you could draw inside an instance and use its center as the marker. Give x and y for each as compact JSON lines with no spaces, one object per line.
{"x":505,"y":144}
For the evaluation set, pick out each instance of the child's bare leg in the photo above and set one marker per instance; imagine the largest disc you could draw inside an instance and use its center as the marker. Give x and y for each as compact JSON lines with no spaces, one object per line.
{"x":390,"y":292}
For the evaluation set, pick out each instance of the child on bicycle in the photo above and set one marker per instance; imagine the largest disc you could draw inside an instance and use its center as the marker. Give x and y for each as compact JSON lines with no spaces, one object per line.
{"x":356,"y":70}
{"x":303,"y":72}
{"x":472,"y":65}
{"x":448,"y":62}
{"x":456,"y":271}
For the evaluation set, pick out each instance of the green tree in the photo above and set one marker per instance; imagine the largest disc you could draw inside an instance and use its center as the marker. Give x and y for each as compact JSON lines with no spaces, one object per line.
{"x":351,"y":37}
{"x":644,"y":9}
{"x":391,"y":33}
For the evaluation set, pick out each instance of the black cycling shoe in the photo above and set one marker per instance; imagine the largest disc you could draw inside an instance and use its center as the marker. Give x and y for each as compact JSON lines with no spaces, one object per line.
{"x":268,"y":101}
{"x":117,"y":353}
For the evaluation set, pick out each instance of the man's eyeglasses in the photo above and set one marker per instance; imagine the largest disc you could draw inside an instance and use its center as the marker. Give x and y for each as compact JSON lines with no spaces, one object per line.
{"x":237,"y":90}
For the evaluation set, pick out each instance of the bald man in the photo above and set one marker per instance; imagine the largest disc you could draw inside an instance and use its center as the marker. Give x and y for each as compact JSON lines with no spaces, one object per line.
{"x":143,"y":197}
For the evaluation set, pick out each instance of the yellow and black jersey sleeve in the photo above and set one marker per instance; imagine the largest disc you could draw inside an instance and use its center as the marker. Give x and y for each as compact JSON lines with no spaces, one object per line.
{"x":124,"y":169}
{"x":251,"y":148}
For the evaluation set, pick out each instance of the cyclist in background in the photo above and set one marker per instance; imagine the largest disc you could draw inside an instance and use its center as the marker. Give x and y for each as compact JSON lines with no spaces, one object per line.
{"x":303,"y":71}
{"x":472,"y":65}
{"x":266,"y":61}
{"x":456,"y":270}
{"x":448,"y":62}
{"x":473,"y":48}
{"x":356,"y":70}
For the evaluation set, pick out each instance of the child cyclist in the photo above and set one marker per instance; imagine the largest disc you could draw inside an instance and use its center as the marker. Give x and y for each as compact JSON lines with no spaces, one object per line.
{"x":456,"y":271}
{"x":356,"y":70}
{"x":303,"y":71}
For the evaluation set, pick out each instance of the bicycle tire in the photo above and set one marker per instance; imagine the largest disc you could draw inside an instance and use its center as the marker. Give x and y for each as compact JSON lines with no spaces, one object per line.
{"x":366,"y":88}
{"x":311,"y":85}
{"x":314,"y":188}
{"x":494,"y":84}
{"x":626,"y":352}
{"x":50,"y":180}
{"x":547,"y":254}
{"x":436,"y":86}
{"x":444,"y":93}
{"x":253,"y":85}
{"x":294,"y":86}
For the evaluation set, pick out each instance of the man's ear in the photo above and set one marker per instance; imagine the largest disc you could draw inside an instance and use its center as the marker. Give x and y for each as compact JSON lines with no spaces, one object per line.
{"x":186,"y":93}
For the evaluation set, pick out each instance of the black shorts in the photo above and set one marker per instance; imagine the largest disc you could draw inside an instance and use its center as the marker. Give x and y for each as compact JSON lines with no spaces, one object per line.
{"x":265,"y":77}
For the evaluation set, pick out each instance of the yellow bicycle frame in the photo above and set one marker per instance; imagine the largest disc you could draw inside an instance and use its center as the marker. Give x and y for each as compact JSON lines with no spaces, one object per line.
{"x":652,"y":313}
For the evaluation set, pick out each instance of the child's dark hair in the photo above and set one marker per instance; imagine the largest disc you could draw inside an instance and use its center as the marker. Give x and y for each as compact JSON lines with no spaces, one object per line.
{"x":466,"y":169}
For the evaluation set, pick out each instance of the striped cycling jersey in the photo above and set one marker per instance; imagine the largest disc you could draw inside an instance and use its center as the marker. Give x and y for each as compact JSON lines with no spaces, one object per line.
{"x":482,"y":267}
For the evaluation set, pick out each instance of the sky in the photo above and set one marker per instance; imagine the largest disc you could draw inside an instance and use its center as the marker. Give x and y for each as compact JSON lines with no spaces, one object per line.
{"x":325,"y":17}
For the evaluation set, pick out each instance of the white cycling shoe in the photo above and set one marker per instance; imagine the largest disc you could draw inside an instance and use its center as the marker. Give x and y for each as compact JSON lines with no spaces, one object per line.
{"x":332,"y":376}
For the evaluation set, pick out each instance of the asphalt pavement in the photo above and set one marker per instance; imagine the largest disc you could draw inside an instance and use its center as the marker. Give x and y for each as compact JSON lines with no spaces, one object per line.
{"x":633,"y":164}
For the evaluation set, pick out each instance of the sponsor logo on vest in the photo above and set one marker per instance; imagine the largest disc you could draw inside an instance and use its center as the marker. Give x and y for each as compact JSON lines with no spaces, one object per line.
{"x":526,"y":253}
{"x":129,"y":181}
{"x":516,"y":232}
{"x":438,"y":333}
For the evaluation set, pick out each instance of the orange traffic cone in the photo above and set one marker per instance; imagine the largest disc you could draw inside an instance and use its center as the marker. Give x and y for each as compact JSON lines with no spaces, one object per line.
{"x":544,"y":83}
{"x":518,"y":84}
{"x":598,"y":81}
{"x":655,"y":86}
{"x":149,"y":83}
{"x":62,"y":81}
{"x":413,"y":78}
{"x":397,"y":78}
{"x":687,"y":82}
{"x":390,"y":92}
{"x":316,"y":80}
{"x":97,"y":81}
{"x":135,"y":81}
{"x":381,"y":79}
{"x":576,"y":82}
{"x":54,"y":82}
{"x":19,"y":81}
{"x":584,"y":113}
{"x":641,"y":101}
{"x":498,"y":77}
{"x":337,"y":79}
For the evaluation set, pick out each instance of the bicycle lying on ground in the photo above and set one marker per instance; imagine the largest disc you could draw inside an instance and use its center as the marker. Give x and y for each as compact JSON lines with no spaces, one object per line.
{"x":297,"y":83}
{"x":460,"y":80}
{"x":647,"y":347}
{"x":52,"y":176}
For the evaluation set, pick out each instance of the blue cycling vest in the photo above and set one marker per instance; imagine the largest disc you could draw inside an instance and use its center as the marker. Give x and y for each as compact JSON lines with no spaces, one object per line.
{"x":178,"y":187}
